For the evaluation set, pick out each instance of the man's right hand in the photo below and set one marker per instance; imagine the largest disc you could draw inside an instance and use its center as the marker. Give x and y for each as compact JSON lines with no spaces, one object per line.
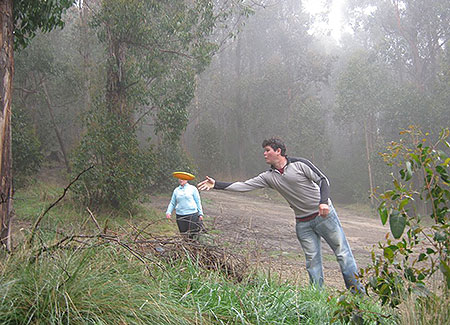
{"x":207,"y":184}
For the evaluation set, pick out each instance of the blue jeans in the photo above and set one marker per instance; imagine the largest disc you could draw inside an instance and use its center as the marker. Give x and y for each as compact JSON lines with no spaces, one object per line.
{"x":330,"y":229}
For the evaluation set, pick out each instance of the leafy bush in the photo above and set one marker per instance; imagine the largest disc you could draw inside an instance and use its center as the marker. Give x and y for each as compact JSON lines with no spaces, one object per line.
{"x":422,"y":232}
{"x":414,"y":265}
{"x":121,"y":169}
{"x":26,"y":148}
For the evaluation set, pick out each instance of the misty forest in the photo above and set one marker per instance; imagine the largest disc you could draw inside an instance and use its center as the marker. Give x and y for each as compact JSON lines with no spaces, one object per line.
{"x":102,"y":100}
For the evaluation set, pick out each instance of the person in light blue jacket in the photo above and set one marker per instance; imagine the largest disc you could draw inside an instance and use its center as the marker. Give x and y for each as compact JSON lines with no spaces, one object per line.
{"x":188,"y":208}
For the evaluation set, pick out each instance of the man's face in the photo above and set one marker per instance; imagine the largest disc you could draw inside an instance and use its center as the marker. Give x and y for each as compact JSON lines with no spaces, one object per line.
{"x":270,"y":155}
{"x":182,"y":182}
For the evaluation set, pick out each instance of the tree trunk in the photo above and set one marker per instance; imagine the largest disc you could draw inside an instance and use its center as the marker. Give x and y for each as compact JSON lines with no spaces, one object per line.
{"x":115,"y":91}
{"x":6,"y":77}
{"x":238,"y":108}
{"x":369,"y":167}
{"x":411,"y":38}
{"x":85,"y":54}
{"x":55,"y":126}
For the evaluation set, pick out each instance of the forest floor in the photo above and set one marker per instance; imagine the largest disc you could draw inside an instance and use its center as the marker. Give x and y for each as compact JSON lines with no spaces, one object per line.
{"x":261,"y":226}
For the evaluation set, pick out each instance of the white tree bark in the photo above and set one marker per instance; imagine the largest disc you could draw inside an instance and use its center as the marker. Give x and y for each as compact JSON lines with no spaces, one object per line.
{"x":6,"y":78}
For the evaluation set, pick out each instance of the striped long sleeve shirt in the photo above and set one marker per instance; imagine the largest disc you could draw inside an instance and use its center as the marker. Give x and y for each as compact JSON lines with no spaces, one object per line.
{"x":302,"y":184}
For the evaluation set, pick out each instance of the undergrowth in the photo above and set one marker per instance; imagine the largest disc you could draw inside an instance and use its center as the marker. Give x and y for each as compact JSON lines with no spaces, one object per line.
{"x":112,"y":277}
{"x":107,"y":285}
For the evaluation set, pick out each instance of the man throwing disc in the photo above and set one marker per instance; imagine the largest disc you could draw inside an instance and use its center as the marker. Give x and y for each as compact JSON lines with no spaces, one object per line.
{"x":306,"y":190}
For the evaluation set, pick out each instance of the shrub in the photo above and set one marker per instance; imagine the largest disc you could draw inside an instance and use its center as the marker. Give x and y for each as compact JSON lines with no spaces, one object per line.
{"x":121,"y":169}
{"x":421,"y":243}
{"x":414,"y":265}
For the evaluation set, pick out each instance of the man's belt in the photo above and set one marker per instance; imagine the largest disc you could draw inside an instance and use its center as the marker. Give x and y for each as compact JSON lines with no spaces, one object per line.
{"x":307,"y":218}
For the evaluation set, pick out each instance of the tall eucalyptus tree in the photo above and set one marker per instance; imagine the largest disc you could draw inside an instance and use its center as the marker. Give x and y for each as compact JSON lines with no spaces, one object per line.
{"x":154,"y":49}
{"x":396,"y":82}
{"x":19,"y":21}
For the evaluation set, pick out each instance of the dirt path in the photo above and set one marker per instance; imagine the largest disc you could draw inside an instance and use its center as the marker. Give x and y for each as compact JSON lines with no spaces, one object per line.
{"x":264,"y":228}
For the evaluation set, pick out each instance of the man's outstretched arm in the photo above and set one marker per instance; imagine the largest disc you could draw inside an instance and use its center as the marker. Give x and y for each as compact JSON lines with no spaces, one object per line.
{"x":249,"y":185}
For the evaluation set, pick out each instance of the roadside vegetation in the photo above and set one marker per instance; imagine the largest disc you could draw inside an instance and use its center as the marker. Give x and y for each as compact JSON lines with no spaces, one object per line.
{"x":104,"y":268}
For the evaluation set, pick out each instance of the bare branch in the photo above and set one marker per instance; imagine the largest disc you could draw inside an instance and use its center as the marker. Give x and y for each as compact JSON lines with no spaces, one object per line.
{"x":39,"y":219}
{"x":93,"y":219}
{"x":142,"y":116}
{"x":27,"y":91}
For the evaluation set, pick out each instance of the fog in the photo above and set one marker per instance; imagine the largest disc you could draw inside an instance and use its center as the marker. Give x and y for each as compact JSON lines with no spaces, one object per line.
{"x":335,"y":99}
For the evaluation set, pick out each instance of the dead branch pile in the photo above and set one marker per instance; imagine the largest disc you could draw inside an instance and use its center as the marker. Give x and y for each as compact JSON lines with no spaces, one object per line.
{"x":158,"y":251}
{"x":206,"y":256}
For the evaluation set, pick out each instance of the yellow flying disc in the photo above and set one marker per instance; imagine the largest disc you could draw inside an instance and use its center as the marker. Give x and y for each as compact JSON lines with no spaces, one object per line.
{"x":183,"y":175}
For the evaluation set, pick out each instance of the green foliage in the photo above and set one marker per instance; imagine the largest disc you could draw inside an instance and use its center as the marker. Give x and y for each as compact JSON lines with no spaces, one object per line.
{"x":154,"y":50}
{"x":49,"y":62}
{"x":374,"y":105}
{"x":262,"y":85}
{"x":121,"y":169}
{"x":173,"y":95}
{"x":96,"y":286}
{"x":406,"y":107}
{"x":423,"y":232}
{"x":107,"y":285}
{"x":353,"y":309}
{"x":389,"y":28}
{"x":26,"y":148}
{"x":408,"y":267}
{"x":363,"y":90}
{"x":31,"y":16}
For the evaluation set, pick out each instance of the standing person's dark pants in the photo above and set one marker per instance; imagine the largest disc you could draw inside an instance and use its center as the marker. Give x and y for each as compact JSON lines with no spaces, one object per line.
{"x":189,"y":224}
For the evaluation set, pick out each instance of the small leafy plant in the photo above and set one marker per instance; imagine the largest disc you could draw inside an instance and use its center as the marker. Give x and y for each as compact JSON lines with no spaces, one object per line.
{"x":417,"y":208}
{"x":418,"y":211}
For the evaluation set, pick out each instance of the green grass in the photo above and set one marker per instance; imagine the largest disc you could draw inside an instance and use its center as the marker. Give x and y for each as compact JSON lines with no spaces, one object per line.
{"x":257,"y":301}
{"x":67,"y":216}
{"x":31,"y":201}
{"x":94,"y":286}
{"x":106,"y":284}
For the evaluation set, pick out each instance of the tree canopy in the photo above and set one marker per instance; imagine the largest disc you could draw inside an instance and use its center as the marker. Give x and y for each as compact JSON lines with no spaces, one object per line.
{"x":31,"y":16}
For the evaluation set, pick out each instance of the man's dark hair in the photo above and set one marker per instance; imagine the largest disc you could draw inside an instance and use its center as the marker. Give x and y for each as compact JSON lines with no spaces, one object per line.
{"x":275,"y":144}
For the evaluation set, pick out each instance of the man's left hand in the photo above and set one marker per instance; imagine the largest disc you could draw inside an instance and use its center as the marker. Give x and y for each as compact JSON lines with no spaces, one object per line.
{"x":323,"y":209}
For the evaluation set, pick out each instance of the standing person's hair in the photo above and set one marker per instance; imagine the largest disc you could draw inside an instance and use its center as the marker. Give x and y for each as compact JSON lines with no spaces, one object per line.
{"x":275,"y":144}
